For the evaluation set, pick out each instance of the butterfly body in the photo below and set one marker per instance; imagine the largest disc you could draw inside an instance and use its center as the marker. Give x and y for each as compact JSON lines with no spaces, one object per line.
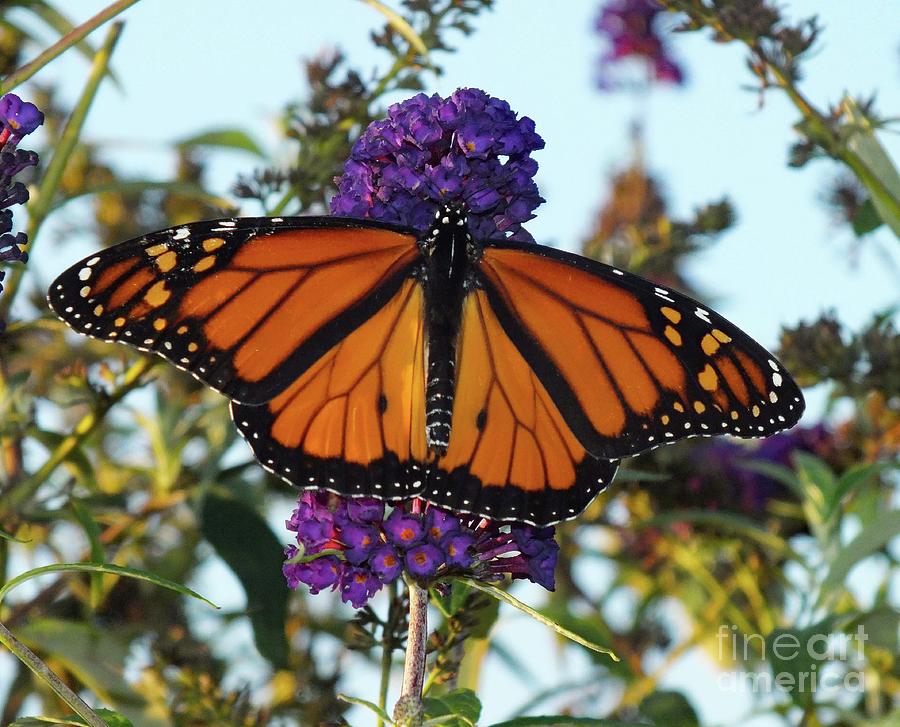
{"x":486,"y":376}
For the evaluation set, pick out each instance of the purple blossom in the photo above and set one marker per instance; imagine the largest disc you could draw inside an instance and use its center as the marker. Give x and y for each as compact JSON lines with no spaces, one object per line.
{"x":359,"y":540}
{"x":631,"y":29}
{"x":404,"y":529}
{"x":360,"y":557}
{"x":422,"y":561}
{"x":438,"y":523}
{"x":386,"y":563}
{"x":469,"y":148}
{"x":358,"y":585}
{"x":18,"y":118}
{"x":459,"y":548}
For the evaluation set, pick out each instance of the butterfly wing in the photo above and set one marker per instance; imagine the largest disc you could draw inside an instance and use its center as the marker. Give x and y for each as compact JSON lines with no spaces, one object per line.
{"x":511,"y":454}
{"x":629,"y":364}
{"x":246,"y":305}
{"x":354,"y":422}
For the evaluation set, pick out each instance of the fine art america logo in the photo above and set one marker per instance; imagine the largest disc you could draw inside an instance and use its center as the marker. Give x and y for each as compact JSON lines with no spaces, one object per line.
{"x":801,"y":661}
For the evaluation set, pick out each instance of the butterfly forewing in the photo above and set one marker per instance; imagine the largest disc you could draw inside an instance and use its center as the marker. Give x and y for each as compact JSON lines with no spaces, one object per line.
{"x":632,"y":365}
{"x":247,"y":304}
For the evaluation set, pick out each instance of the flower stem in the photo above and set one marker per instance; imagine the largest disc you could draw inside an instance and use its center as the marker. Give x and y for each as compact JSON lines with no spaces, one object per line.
{"x":63,"y":44}
{"x":408,"y":710}
{"x":43,"y":672}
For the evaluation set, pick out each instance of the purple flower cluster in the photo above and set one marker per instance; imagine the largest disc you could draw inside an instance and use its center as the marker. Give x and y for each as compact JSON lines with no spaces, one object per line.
{"x":469,"y":148}
{"x":628,"y":26}
{"x":18,"y":118}
{"x":348,"y":544}
{"x":750,"y":490}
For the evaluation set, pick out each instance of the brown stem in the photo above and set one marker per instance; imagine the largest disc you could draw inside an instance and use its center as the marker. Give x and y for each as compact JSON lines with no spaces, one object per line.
{"x":408,"y":710}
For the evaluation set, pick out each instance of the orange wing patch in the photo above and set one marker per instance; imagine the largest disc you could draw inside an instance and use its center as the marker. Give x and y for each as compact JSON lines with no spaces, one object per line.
{"x":246,"y":305}
{"x":629,"y":364}
{"x":354,"y":422}
{"x":511,"y":454}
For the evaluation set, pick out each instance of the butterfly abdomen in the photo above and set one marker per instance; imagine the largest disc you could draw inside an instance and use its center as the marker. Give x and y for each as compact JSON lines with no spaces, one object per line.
{"x":445,"y":272}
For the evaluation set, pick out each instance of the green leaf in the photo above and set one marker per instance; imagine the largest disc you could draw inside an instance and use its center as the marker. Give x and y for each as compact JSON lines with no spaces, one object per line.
{"x":102,"y":568}
{"x":94,"y":655}
{"x":371,"y":706}
{"x":878,"y":627}
{"x":881,"y":179}
{"x":854,"y":478}
{"x":92,"y":531}
{"x":669,"y":708}
{"x":78,"y":464}
{"x":502,"y":595}
{"x":247,"y":544}
{"x":461,"y":707}
{"x":866,"y":219}
{"x":224,"y":139}
{"x":875,"y":535}
{"x":112,"y":718}
{"x":796,"y":656}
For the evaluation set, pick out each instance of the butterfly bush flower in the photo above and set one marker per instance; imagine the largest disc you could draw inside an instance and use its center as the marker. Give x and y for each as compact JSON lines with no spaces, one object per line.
{"x":469,"y":148}
{"x":629,"y":29}
{"x":337,"y":550}
{"x":18,"y":118}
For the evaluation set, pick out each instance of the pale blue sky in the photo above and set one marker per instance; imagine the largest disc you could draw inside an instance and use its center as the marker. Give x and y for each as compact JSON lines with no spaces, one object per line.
{"x":189,"y":66}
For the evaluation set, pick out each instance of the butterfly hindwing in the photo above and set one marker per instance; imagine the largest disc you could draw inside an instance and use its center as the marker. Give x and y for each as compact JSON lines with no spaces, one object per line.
{"x":354,"y":422}
{"x":632,"y":365}
{"x":244,"y":304}
{"x":511,"y":455}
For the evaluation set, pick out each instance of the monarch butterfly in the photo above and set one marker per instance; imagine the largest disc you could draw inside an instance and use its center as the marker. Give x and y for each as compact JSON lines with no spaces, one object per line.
{"x":492,"y":377}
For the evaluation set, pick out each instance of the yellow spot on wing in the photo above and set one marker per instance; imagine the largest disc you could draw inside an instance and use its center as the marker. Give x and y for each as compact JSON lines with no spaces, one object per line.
{"x":155,"y":250}
{"x":734,"y":415}
{"x":673,"y":335}
{"x":204,"y":263}
{"x":119,"y":322}
{"x":98,"y":310}
{"x":213,"y":243}
{"x":699,"y":407}
{"x":182,"y":330}
{"x":664,"y":419}
{"x":723,"y":337}
{"x":166,"y":261}
{"x":709,"y":345}
{"x":755,"y":410}
{"x":158,"y":294}
{"x":670,"y":313}
{"x":678,"y":407}
{"x":708,"y":378}
{"x":159,"y":324}
{"x":192,"y":347}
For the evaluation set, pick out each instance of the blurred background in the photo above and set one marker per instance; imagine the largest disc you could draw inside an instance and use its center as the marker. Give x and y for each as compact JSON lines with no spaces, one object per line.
{"x":667,"y":158}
